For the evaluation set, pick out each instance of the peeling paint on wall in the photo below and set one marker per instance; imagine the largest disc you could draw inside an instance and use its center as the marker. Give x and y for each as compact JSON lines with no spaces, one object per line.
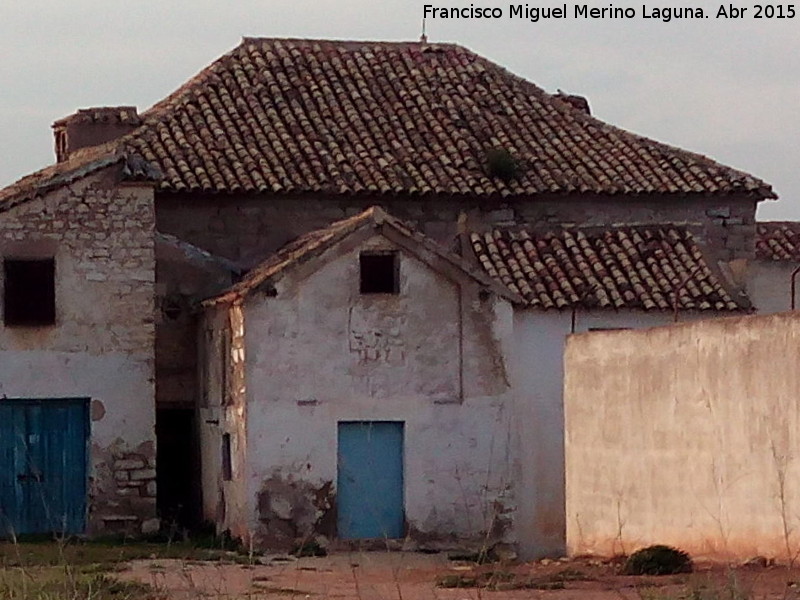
{"x":292,"y":511}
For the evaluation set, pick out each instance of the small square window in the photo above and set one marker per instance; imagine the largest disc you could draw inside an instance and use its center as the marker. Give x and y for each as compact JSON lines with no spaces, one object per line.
{"x":29,"y":292}
{"x":380,"y":273}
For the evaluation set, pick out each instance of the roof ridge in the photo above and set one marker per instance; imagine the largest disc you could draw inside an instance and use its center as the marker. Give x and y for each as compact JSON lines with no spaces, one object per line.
{"x":287,"y":115}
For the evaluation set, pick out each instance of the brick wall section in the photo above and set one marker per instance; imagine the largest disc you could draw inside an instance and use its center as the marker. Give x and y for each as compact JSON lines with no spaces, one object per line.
{"x":248,"y":228}
{"x":101,"y":347}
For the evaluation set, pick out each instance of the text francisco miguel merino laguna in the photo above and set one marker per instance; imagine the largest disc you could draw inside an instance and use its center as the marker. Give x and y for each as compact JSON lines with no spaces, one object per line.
{"x":584,"y":11}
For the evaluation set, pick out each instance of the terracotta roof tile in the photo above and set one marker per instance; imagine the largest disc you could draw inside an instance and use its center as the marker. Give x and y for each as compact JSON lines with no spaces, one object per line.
{"x":278,"y":116}
{"x":623,"y":267}
{"x":778,"y":240}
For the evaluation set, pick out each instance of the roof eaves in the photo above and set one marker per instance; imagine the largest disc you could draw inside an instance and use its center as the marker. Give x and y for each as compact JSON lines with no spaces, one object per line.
{"x":86,"y":162}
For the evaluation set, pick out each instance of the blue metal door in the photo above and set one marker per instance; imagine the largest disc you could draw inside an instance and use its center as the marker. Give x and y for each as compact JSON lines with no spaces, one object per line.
{"x":370,"y":480}
{"x":43,"y":466}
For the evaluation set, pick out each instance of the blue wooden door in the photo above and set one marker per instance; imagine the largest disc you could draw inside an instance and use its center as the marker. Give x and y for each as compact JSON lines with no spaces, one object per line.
{"x":370,"y":480}
{"x":43,"y":466}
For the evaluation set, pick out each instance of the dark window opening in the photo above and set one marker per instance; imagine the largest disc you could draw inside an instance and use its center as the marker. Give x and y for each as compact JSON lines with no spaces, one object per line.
{"x":380,"y":273}
{"x":61,"y":146}
{"x":227,"y":464}
{"x":29,"y":292}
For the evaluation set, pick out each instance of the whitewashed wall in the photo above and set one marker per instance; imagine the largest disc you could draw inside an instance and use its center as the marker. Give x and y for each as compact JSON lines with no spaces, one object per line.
{"x":685,"y":435}
{"x":540,"y":337}
{"x":435,"y":357}
{"x":769,"y":285}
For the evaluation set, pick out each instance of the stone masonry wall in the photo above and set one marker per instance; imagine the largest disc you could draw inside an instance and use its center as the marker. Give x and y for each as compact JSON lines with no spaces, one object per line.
{"x":246,"y":229}
{"x":101,"y":236}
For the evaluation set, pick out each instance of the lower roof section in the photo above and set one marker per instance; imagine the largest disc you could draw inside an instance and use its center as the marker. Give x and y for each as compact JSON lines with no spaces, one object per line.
{"x":658,"y":267}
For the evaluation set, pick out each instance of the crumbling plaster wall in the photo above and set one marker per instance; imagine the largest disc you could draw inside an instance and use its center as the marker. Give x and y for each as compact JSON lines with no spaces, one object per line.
{"x":223,"y":411}
{"x":248,"y":228}
{"x":101,"y":347}
{"x":540,"y":337}
{"x":685,"y":435}
{"x":434,"y":356}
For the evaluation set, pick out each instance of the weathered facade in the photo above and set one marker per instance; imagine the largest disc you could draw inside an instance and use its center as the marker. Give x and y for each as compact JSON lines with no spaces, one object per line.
{"x":98,"y":347}
{"x":516,"y":218}
{"x":684,"y":435}
{"x":310,"y":352}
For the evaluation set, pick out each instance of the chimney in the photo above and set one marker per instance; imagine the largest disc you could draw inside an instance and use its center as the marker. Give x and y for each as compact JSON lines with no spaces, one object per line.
{"x":578,"y":102}
{"x":92,"y":127}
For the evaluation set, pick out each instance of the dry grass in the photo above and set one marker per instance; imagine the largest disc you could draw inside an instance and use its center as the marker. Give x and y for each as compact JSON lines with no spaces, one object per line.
{"x":60,"y":583}
{"x":79,"y":570}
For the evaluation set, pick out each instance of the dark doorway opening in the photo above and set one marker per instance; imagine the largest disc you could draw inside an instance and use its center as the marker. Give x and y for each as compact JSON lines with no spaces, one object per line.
{"x":177,"y":468}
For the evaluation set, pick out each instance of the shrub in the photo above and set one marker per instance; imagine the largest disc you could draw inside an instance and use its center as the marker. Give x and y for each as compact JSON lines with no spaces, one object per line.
{"x":501,"y":164}
{"x":658,"y":560}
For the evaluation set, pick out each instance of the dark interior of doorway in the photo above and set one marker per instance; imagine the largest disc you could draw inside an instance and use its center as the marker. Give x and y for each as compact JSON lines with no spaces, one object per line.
{"x":178,"y":468}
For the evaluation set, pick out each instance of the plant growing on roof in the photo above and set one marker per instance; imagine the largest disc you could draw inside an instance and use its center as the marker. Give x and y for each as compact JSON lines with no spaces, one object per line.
{"x":501,"y":164}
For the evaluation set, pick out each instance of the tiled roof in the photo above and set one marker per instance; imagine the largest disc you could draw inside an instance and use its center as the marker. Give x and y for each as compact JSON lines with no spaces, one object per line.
{"x":314,"y":243}
{"x":624,"y":267}
{"x":778,"y":240}
{"x":283,"y":116}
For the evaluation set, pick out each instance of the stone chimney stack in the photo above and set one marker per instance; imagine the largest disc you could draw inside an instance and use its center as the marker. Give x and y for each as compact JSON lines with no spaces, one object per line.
{"x":92,"y":127}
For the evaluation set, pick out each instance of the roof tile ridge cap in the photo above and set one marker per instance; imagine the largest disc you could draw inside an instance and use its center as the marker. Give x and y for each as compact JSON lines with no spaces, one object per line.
{"x":590,"y":118}
{"x":632,"y":226}
{"x":487,"y":62}
{"x":689,"y":154}
{"x":345,"y":42}
{"x":377,"y":214}
{"x":158,"y":110}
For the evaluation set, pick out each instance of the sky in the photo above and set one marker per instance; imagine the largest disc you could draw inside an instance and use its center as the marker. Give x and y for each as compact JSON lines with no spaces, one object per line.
{"x":726,"y":88}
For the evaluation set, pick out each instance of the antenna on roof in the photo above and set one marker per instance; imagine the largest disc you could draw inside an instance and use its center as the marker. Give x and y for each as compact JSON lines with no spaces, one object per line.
{"x":423,"y":39}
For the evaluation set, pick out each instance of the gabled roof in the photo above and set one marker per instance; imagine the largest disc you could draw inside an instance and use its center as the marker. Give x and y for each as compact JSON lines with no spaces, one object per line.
{"x":288,"y":115}
{"x":315,"y":243}
{"x":620,"y":268}
{"x":778,"y":240}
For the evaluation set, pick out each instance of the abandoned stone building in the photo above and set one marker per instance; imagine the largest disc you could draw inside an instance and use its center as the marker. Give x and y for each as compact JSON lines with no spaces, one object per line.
{"x":323,"y":289}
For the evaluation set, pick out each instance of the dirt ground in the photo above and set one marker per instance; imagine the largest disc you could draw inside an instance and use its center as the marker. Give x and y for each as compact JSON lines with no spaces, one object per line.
{"x":410,"y":576}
